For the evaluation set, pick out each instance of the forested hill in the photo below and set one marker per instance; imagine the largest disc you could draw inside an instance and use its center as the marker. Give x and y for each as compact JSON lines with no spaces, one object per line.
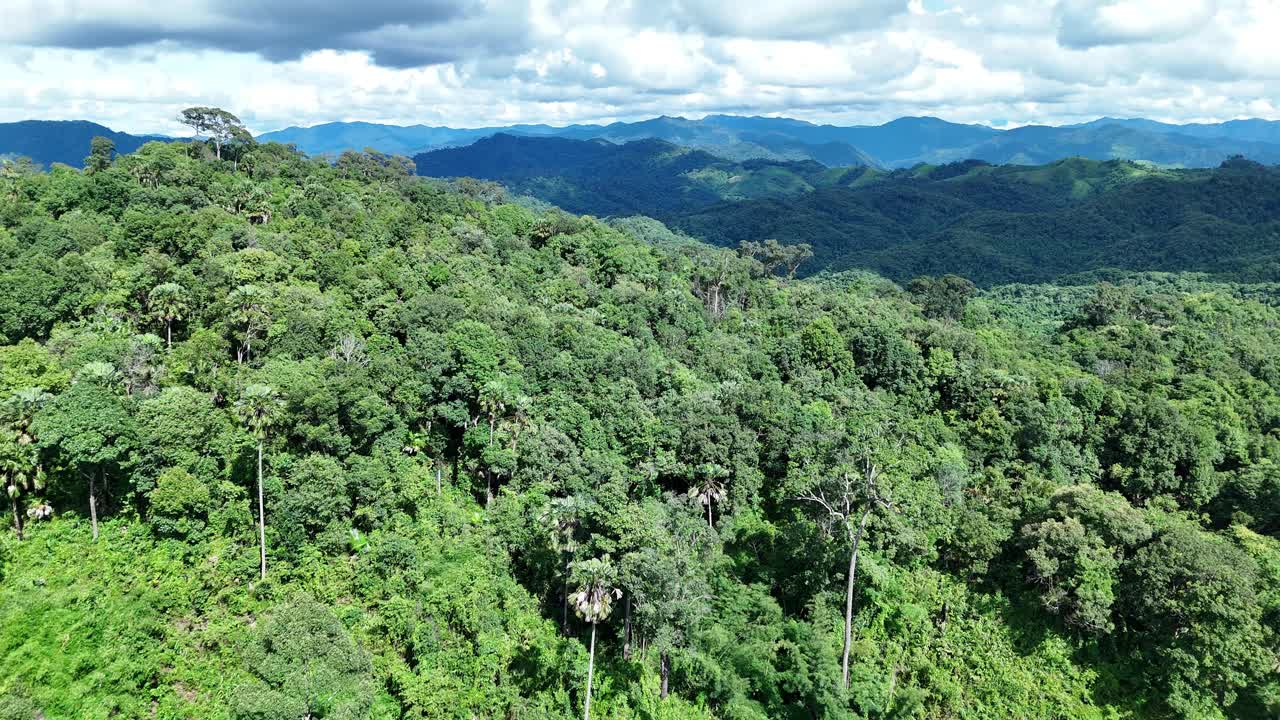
{"x":598,"y":177}
{"x":992,"y":224}
{"x":1026,"y":224}
{"x":289,"y":439}
{"x":61,"y":141}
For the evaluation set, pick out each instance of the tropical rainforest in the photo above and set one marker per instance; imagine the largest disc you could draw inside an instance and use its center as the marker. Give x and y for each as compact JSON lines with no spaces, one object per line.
{"x":288,"y":438}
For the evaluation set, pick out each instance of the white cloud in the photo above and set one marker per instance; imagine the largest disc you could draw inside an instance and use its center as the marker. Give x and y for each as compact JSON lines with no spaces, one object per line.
{"x":132,"y":64}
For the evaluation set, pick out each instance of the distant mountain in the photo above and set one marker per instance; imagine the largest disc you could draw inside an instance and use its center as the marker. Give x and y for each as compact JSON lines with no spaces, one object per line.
{"x":336,"y":137}
{"x":999,"y":224}
{"x":648,"y":176}
{"x":1039,"y":144}
{"x":1254,"y":130}
{"x":901,"y":143}
{"x":62,"y":141}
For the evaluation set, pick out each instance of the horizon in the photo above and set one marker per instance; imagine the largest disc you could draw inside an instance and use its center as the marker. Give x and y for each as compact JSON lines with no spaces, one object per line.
{"x":640,"y":119}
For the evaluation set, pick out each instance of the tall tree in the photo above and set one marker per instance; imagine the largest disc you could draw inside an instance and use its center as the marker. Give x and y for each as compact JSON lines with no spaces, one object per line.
{"x":259,"y":408}
{"x":842,"y":481}
{"x":597,"y":589}
{"x":101,"y":150}
{"x":219,"y":125}
{"x":562,"y":518}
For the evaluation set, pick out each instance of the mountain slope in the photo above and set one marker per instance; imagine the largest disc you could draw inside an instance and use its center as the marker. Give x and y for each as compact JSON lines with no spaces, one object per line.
{"x":1025,"y":224}
{"x":62,"y":141}
{"x":643,"y":176}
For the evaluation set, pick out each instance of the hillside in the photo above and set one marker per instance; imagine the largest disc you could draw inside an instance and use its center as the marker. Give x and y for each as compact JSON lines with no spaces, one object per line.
{"x":61,"y":141}
{"x":1014,"y":224}
{"x":404,"y":450}
{"x":638,"y":177}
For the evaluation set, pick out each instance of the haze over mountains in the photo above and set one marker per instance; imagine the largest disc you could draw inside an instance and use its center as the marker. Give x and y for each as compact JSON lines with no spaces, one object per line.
{"x":900,"y":143}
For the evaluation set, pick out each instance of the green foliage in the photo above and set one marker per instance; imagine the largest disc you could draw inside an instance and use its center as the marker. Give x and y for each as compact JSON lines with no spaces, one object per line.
{"x":476,"y":416}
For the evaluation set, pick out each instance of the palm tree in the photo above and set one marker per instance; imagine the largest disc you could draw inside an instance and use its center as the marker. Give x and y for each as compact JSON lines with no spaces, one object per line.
{"x":562,"y":517}
{"x":494,"y":398}
{"x":593,"y":602}
{"x":259,"y":408}
{"x":19,"y":460}
{"x":168,"y":302}
{"x":709,"y":487}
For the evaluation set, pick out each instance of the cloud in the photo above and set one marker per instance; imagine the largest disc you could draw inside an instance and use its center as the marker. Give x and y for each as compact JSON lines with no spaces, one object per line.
{"x":1092,"y":23}
{"x":133,"y":64}
{"x":396,"y":33}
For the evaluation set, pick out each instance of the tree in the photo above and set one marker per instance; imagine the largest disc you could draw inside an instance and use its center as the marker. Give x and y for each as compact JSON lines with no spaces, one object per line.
{"x":221,"y":126}
{"x":708,"y":487}
{"x":843,"y":482}
{"x":942,"y":298}
{"x":168,"y":302}
{"x":90,"y":426}
{"x":101,"y":150}
{"x":669,"y":580}
{"x":1194,"y":596}
{"x":259,"y":408}
{"x":19,"y":457}
{"x":1075,"y":552}
{"x":250,"y":316}
{"x":596,"y":580}
{"x":562,"y":519}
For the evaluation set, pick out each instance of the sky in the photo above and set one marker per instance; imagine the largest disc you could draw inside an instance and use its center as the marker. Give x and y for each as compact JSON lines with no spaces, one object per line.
{"x":133,"y":64}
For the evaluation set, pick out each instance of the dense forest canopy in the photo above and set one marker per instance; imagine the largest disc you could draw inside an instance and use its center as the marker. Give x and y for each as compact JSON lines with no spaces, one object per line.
{"x":285,"y":438}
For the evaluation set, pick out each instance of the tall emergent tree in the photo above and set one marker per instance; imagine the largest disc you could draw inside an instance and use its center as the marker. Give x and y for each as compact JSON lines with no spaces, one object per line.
{"x":597,"y":589}
{"x":259,"y":407}
{"x":219,"y":125}
{"x":841,"y":480}
{"x":101,"y":151}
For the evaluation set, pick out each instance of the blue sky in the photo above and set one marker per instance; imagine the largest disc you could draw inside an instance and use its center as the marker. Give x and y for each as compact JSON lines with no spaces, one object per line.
{"x":132,"y":64}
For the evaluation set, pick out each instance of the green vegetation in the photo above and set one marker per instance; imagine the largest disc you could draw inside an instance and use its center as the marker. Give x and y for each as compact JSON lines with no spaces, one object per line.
{"x":290,"y":439}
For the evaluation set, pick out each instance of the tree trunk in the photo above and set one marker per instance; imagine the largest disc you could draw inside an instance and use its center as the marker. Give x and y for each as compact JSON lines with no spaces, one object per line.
{"x":93,"y":504}
{"x":17,"y":517}
{"x":168,"y":332}
{"x":439,"y":490}
{"x":848,"y":597}
{"x":564,"y":596}
{"x":626,"y":630}
{"x":262,"y":523}
{"x":709,"y":524}
{"x":664,"y":669}
{"x":591,"y":669}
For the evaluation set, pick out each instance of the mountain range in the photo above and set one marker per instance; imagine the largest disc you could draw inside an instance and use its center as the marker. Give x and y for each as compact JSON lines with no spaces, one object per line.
{"x":900,"y":143}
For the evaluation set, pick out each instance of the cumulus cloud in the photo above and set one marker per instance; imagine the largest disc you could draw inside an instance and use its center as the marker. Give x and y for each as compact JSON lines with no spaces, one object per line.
{"x":133,"y":63}
{"x":1090,"y":23}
